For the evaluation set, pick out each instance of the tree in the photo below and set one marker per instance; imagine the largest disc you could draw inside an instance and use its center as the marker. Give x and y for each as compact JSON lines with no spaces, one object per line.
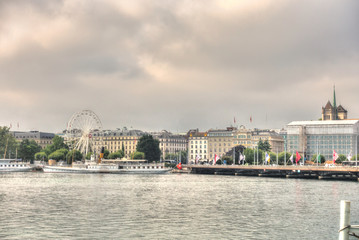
{"x":281,"y":158}
{"x":341,"y":158}
{"x":74,"y":155}
{"x":138,"y":155}
{"x":106,"y":153}
{"x":228,"y":159}
{"x":7,"y":143}
{"x":59,"y":154}
{"x":321,"y":158}
{"x":150,"y":146}
{"x":183,"y":156}
{"x":57,"y":143}
{"x":115,"y":155}
{"x":28,"y":148}
{"x":264,"y":146}
{"x":41,"y":156}
{"x":88,"y":155}
{"x":171,"y":156}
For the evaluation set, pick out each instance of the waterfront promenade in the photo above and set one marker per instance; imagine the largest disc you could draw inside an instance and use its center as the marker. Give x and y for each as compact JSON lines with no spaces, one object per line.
{"x":289,"y":171}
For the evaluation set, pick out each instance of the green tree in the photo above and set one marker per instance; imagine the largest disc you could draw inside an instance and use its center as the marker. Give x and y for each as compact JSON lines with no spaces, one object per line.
{"x":88,"y":155}
{"x":28,"y":148}
{"x":138,"y":155}
{"x":183,"y":156}
{"x":74,"y":155}
{"x":321,"y":158}
{"x":341,"y":159}
{"x":150,"y":146}
{"x":106,"y":153}
{"x":57,"y":143}
{"x":281,"y":158}
{"x":264,"y":146}
{"x":171,"y":156}
{"x":228,"y":159}
{"x":41,"y":156}
{"x":119,"y":154}
{"x":8,"y":142}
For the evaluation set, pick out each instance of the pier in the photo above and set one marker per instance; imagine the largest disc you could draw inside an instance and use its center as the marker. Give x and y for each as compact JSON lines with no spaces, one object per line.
{"x":289,"y":171}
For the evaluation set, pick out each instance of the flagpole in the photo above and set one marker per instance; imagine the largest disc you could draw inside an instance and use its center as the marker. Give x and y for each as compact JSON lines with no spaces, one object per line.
{"x":285,"y":155}
{"x":234,"y":156}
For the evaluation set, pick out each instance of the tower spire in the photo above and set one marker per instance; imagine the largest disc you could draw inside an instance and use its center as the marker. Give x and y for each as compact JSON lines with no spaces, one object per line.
{"x":335,"y":104}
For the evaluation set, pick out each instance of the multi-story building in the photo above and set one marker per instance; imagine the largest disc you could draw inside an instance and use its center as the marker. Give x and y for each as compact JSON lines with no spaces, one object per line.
{"x":170,"y":143}
{"x":115,"y":140}
{"x":197,"y":146}
{"x":220,"y":141}
{"x":249,"y":138}
{"x":322,"y":137}
{"x":275,"y":140}
{"x":243,"y":137}
{"x":41,"y":138}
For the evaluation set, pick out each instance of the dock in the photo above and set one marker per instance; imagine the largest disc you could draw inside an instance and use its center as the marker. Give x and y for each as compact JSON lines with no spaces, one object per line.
{"x":290,"y":171}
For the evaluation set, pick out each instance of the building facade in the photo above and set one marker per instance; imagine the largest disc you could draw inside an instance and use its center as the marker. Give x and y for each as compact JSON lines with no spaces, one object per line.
{"x":198,"y":147}
{"x":220,"y":141}
{"x":115,"y":140}
{"x":322,"y":137}
{"x":170,"y":143}
{"x":249,"y":138}
{"x":41,"y":138}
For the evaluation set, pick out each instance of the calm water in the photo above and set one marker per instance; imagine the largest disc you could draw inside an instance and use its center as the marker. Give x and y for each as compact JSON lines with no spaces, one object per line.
{"x":171,"y":206}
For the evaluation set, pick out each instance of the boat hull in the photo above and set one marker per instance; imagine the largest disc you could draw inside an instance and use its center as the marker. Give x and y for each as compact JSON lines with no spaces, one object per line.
{"x":109,"y":170}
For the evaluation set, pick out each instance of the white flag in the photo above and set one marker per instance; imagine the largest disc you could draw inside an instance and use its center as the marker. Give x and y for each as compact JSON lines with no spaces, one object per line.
{"x":349,"y":156}
{"x":291,"y":158}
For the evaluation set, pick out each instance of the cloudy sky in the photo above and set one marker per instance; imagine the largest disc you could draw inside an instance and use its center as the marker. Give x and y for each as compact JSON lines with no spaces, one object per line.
{"x":176,"y":65}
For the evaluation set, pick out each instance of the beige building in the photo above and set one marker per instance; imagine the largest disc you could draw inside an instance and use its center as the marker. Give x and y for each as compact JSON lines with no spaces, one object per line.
{"x":220,"y":141}
{"x":116,"y":140}
{"x":249,"y":138}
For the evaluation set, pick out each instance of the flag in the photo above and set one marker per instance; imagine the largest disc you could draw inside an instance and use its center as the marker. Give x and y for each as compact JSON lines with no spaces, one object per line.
{"x":234,"y":120}
{"x":216,"y":158}
{"x":241,"y":157}
{"x":179,"y":166}
{"x":250,"y":119}
{"x":297,"y":157}
{"x":291,"y":158}
{"x":267,"y":158}
{"x":198,"y":157}
{"x":318,"y":158}
{"x":349,"y":156}
{"x":335,"y":156}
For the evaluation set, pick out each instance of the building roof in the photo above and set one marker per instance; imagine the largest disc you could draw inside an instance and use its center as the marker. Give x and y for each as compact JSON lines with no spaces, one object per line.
{"x":328,"y":122}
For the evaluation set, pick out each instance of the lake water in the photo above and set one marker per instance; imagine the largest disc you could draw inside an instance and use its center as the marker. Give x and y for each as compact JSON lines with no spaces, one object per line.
{"x":170,"y":206}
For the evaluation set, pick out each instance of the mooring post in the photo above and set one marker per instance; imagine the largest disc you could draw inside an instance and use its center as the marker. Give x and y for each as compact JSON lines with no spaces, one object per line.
{"x":344,"y":220}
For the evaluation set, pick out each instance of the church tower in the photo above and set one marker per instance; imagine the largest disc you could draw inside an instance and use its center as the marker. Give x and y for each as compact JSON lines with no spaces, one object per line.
{"x":332,"y":112}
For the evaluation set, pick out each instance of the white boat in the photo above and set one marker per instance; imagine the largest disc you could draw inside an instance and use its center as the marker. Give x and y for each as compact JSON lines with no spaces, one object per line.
{"x":114,"y":168}
{"x":14,"y":165}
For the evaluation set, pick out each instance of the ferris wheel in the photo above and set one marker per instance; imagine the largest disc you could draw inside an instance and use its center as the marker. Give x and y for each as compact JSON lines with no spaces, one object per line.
{"x":83,"y":132}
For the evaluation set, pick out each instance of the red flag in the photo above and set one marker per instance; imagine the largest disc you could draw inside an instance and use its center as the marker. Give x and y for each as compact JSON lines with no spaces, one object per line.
{"x":335,"y":156}
{"x":179,"y":166}
{"x":297,"y":158}
{"x":234,"y":120}
{"x":250,"y":119}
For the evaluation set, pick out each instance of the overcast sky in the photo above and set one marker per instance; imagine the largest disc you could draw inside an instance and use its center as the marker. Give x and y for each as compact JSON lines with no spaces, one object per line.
{"x":176,"y":65}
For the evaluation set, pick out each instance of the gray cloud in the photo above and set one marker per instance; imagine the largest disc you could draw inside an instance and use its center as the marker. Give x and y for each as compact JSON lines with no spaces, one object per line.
{"x":176,"y":64}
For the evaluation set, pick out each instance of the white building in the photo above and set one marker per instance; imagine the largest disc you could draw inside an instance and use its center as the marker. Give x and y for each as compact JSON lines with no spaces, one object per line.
{"x":198,"y":147}
{"x":322,"y":137}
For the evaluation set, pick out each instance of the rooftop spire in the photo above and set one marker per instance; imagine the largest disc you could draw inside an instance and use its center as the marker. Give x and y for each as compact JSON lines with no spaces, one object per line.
{"x":334,"y":104}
